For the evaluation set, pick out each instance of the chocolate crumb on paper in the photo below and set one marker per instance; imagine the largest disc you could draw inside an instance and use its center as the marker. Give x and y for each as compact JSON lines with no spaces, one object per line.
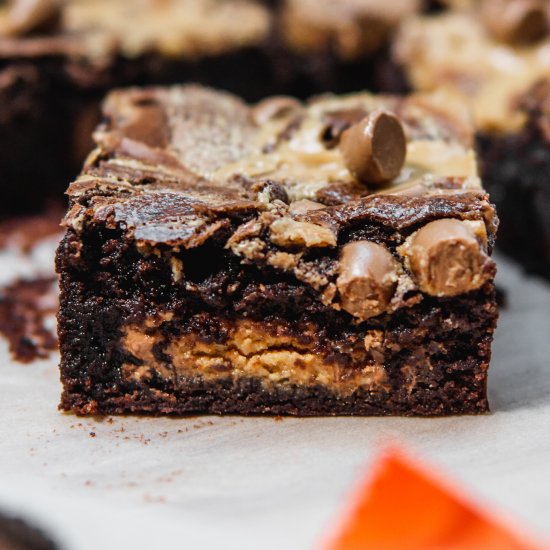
{"x":25,"y":306}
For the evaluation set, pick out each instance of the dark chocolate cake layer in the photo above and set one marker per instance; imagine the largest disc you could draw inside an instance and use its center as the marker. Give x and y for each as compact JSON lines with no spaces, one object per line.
{"x":227,"y":258}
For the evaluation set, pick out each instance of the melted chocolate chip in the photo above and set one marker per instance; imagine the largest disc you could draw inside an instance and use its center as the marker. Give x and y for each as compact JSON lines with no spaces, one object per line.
{"x":447,"y":259}
{"x":367,"y":280}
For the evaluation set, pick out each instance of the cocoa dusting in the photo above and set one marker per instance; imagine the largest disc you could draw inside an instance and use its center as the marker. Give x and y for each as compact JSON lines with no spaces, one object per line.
{"x":24,"y":307}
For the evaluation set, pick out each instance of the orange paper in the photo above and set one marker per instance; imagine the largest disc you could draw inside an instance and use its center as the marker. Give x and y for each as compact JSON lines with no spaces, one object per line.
{"x":404,"y":508}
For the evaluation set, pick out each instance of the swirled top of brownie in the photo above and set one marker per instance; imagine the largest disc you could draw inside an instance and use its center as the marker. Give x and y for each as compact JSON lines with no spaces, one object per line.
{"x":171,"y":160}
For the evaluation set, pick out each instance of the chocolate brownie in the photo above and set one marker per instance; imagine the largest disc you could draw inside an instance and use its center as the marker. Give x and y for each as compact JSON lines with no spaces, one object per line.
{"x":496,"y":55}
{"x":328,"y":257}
{"x":337,"y":46}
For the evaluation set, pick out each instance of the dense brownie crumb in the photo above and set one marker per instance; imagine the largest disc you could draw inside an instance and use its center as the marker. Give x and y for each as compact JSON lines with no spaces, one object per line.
{"x":16,"y":534}
{"x":25,"y":306}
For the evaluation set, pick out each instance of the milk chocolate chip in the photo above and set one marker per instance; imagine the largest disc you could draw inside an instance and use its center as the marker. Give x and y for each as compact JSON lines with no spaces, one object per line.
{"x":447,"y":259}
{"x":515,"y":21}
{"x":374,"y":149}
{"x":367,"y":280}
{"x":25,"y":16}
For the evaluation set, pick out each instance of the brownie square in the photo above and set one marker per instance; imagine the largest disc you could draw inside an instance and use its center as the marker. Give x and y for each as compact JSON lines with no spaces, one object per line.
{"x":227,"y":258}
{"x":494,"y":54}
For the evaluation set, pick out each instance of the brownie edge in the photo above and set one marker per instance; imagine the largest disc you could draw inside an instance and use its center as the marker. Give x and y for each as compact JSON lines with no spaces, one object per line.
{"x":227,"y":258}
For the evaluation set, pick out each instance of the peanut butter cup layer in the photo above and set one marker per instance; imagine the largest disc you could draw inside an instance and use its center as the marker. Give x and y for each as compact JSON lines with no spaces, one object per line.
{"x":495,"y":54}
{"x":230,"y":258}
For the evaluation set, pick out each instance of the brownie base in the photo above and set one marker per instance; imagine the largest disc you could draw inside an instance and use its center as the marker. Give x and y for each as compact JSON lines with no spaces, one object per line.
{"x":248,"y":396}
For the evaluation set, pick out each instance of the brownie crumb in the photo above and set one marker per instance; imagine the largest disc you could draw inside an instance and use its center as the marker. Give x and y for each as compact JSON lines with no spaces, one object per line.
{"x":25,"y":306}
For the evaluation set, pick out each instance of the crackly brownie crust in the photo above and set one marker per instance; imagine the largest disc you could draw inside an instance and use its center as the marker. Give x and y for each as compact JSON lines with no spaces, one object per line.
{"x":197,"y":277}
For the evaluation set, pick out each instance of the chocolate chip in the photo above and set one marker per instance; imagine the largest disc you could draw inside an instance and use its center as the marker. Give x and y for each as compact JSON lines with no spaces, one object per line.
{"x":367,"y":280}
{"x":515,"y":21}
{"x":269,"y":191}
{"x":274,"y":107}
{"x":374,"y":149}
{"x":26,"y":16}
{"x":447,"y":259}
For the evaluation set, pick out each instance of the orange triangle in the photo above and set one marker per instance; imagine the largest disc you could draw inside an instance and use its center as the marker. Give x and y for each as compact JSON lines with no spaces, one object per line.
{"x":403,"y":508}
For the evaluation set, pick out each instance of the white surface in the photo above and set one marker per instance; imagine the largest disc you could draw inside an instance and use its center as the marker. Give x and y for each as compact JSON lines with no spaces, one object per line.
{"x":209,"y":482}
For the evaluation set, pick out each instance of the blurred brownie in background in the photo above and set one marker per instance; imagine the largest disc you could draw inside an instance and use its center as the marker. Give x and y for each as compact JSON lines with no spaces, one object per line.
{"x":57,"y":60}
{"x":338,"y":46}
{"x":496,"y":54}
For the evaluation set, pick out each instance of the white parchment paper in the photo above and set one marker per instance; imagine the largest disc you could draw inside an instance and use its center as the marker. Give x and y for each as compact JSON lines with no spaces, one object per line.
{"x":250,"y":483}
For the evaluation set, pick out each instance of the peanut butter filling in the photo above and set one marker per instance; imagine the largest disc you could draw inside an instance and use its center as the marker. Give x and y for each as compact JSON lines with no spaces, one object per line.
{"x":250,"y":350}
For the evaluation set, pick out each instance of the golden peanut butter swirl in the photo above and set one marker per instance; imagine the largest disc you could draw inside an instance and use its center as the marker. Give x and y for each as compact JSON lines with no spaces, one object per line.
{"x":303,"y":146}
{"x":186,"y":134}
